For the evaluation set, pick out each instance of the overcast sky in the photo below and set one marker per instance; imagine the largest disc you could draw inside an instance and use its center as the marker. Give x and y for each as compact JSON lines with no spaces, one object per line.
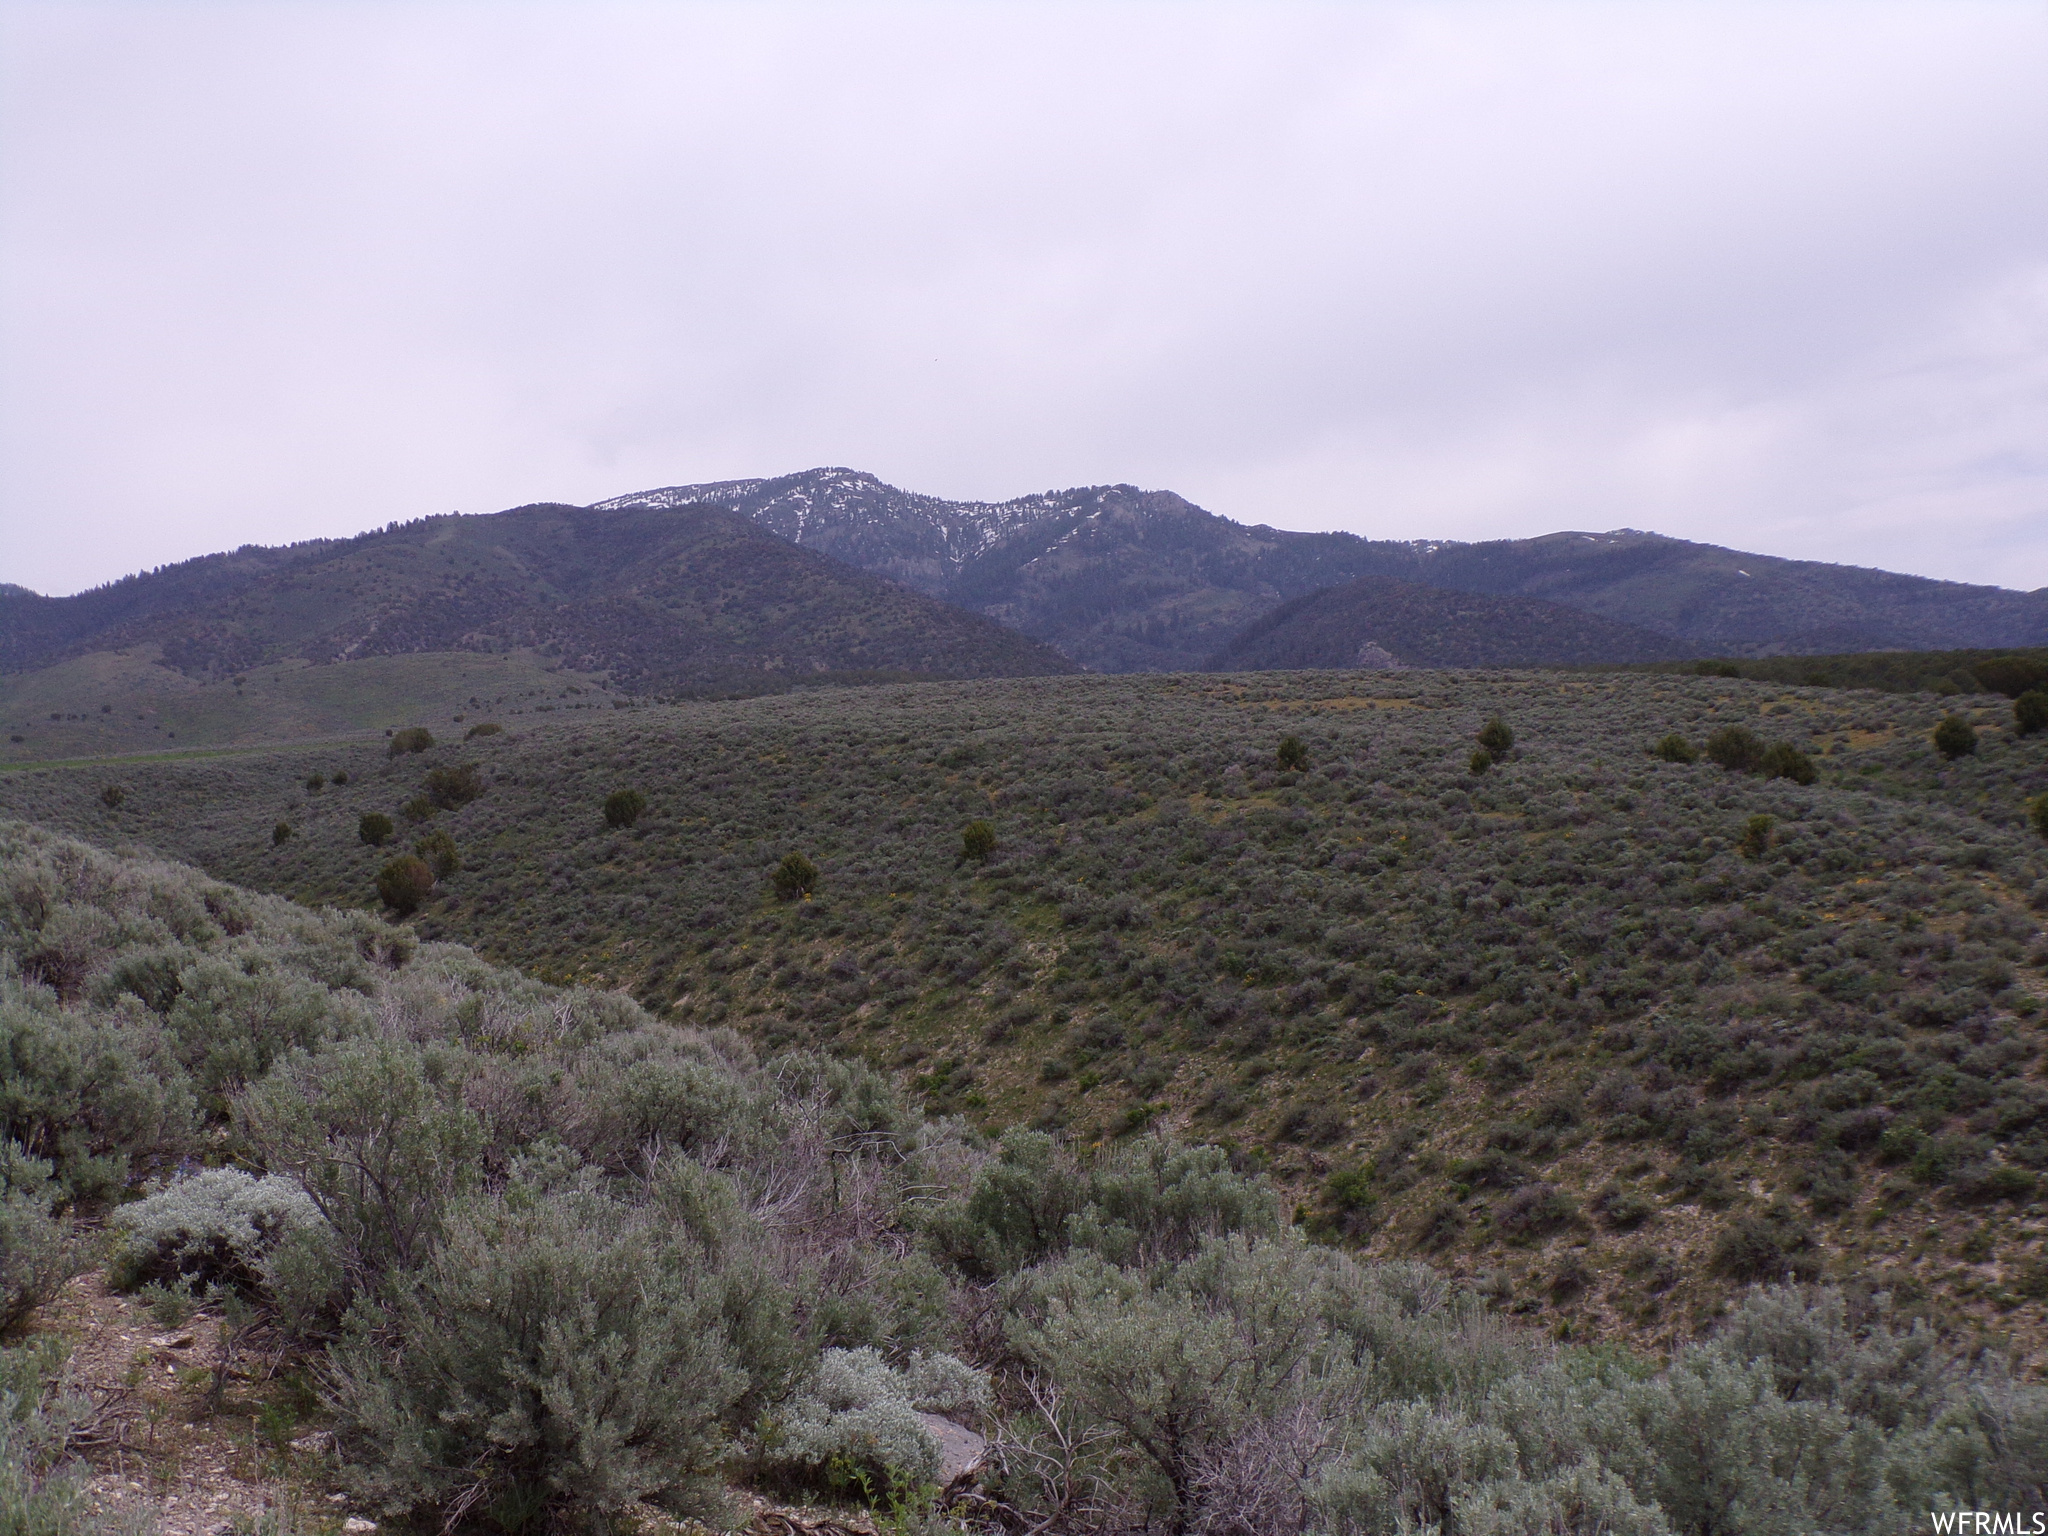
{"x":1772,"y":275}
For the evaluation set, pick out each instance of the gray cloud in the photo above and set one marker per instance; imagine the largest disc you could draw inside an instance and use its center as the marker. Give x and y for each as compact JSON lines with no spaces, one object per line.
{"x":1774,"y":275}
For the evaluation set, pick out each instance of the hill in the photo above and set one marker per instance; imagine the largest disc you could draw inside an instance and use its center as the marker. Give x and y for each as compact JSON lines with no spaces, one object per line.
{"x":689,"y":601}
{"x":1377,"y":621}
{"x":1127,"y":580}
{"x":468,"y":1252}
{"x":1607,"y":1034}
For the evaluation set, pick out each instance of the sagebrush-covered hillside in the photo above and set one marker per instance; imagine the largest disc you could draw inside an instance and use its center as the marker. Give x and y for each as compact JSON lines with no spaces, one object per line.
{"x":522,"y":1256}
{"x":1613,"y":1034}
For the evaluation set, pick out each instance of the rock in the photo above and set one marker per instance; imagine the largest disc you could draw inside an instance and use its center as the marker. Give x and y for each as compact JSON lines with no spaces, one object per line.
{"x":168,"y":1341}
{"x":316,"y":1443}
{"x":356,"y":1525}
{"x":961,"y":1450}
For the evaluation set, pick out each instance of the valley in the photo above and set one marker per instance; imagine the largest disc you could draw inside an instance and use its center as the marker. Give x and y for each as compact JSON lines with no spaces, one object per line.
{"x":1569,"y":1026}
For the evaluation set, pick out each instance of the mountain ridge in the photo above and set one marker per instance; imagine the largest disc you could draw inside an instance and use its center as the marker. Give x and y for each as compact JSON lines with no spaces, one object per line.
{"x":1125,"y":579}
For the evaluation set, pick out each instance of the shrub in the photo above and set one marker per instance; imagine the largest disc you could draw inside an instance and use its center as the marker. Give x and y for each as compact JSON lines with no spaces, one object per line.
{"x":338,"y":777}
{"x":1756,"y":836}
{"x":414,"y":738}
{"x":2037,"y":814}
{"x":280,"y":834}
{"x":418,"y":810}
{"x":1293,"y":755}
{"x":375,"y":1142}
{"x":451,"y":788}
{"x":558,"y":1359}
{"x":1772,"y":1246}
{"x":977,"y":841}
{"x":42,"y":1493}
{"x":2030,"y":712}
{"x":89,"y":1091}
{"x":482,"y":728}
{"x":440,"y":852}
{"x":1674,"y":748}
{"x":795,"y":876}
{"x":1736,"y":748}
{"x":1495,"y":738}
{"x":1782,"y":760}
{"x":212,"y":1228}
{"x":112,"y":796}
{"x":1480,"y":760}
{"x":1955,"y":737}
{"x":1535,"y":1210}
{"x":404,"y":883}
{"x":622,"y":807}
{"x":37,"y":1255}
{"x":316,"y":783}
{"x":375,"y":829}
{"x":1716,"y":669}
{"x":857,"y":1415}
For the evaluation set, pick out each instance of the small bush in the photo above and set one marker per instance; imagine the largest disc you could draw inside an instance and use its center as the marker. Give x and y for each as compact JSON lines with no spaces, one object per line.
{"x":414,"y":738}
{"x":1771,"y":1246}
{"x":1535,"y":1210}
{"x":2030,"y":712}
{"x":1781,"y":760}
{"x":439,"y":850}
{"x":315,"y":783}
{"x":1955,"y":737}
{"x":339,"y":777}
{"x":795,"y":876}
{"x":1674,"y":748}
{"x":622,"y":807}
{"x":1716,"y":669}
{"x":404,"y":883}
{"x":1480,"y":761}
{"x":1735,"y":748}
{"x":280,"y":834}
{"x":483,"y":728}
{"x":375,"y":829}
{"x":860,"y":1416}
{"x":213,"y":1228}
{"x":977,"y":841}
{"x":2037,"y":814}
{"x":1756,"y":837}
{"x":452,"y":788}
{"x":112,"y":796}
{"x":419,"y":809}
{"x":1292,"y":756}
{"x":1496,"y":739}
{"x":37,"y":1254}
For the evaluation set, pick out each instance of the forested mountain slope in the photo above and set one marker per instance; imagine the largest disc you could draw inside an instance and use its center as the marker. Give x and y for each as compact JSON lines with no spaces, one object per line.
{"x":1612,"y":1033}
{"x":1377,"y":621}
{"x":660,"y":600}
{"x":1129,"y":580}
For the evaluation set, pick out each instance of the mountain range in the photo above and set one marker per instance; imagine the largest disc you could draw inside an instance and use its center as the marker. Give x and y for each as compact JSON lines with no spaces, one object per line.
{"x":746,"y":586}
{"x":1126,"y":580}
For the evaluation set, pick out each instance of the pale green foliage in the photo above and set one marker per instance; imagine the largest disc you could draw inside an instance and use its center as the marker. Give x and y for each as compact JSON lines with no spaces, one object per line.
{"x":40,"y":1410}
{"x":37,"y":1252}
{"x":89,"y":1090}
{"x":1182,"y":1364}
{"x":857,"y":1412}
{"x":214,"y":1227}
{"x":1150,"y":1200}
{"x":561,"y":1351}
{"x":376,"y":1134}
